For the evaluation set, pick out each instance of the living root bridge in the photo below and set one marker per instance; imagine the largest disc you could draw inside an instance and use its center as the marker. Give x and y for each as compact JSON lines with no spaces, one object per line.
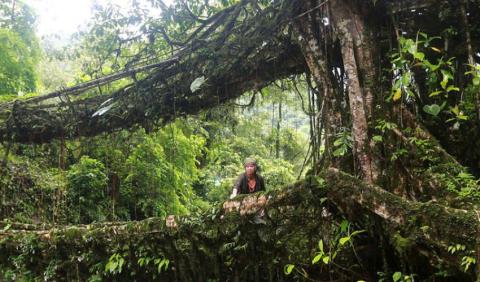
{"x":242,"y":48}
{"x":293,"y":222}
{"x":426,"y":228}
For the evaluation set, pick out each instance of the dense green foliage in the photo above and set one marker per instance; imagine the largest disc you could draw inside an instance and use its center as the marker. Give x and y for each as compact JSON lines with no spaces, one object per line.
{"x":179,"y":169}
{"x":19,"y":49}
{"x":86,"y":185}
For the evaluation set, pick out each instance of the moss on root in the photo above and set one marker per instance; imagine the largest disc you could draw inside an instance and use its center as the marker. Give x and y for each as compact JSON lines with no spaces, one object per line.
{"x":275,"y":228}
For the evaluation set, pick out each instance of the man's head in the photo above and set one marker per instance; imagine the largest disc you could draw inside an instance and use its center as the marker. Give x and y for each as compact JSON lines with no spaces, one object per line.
{"x":250,"y":165}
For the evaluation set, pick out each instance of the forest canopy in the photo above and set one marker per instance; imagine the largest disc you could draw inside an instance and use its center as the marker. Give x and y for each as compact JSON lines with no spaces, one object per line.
{"x":19,"y":49}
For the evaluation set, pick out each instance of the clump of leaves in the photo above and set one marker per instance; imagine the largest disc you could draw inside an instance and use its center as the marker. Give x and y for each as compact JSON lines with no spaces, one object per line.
{"x":86,"y":185}
{"x":343,"y":143}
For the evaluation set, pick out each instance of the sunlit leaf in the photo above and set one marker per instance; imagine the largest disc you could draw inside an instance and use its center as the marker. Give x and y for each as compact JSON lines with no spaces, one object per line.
{"x":446,"y":76}
{"x":397,"y":276}
{"x":288,"y":268}
{"x":103,"y":110}
{"x":320,"y":246}
{"x":397,"y":95}
{"x":344,"y":240}
{"x":452,"y":88}
{"x":377,"y":138}
{"x":433,"y":109}
{"x":455,"y":110}
{"x":435,"y":93}
{"x":338,"y":142}
{"x":316,"y":258}
{"x":476,"y":81}
{"x":340,"y":151}
{"x":354,"y":233}
{"x":419,"y":55}
{"x":197,"y":83}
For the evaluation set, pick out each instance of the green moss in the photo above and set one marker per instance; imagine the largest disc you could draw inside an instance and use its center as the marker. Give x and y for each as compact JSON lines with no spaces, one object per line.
{"x":72,"y":233}
{"x":292,"y":227}
{"x":402,"y":245}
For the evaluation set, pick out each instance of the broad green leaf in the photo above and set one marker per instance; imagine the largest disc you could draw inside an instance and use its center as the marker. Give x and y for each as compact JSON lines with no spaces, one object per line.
{"x":344,"y":240}
{"x":163,"y":263}
{"x":444,"y":82}
{"x":288,"y":268}
{"x":121,"y":262}
{"x":111,"y":266}
{"x":338,"y":142}
{"x":320,"y":246}
{"x":316,"y":258}
{"x":433,"y":109}
{"x":476,"y":81}
{"x":419,"y":55}
{"x":435,"y":93}
{"x":326,"y":259}
{"x":431,"y":66}
{"x":340,"y":151}
{"x":411,"y":46}
{"x":197,"y":83}
{"x":377,"y":138}
{"x":446,"y":76}
{"x":455,"y":110}
{"x":354,"y":233}
{"x":397,"y":276}
{"x":452,"y":88}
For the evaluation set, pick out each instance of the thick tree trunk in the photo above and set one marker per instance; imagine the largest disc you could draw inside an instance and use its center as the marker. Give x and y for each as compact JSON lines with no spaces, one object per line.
{"x":320,"y":69}
{"x":468,"y":45}
{"x":358,"y":65}
{"x":350,"y":30}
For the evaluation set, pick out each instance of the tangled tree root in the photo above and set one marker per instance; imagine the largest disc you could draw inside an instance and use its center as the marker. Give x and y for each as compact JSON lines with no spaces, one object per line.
{"x":248,"y":237}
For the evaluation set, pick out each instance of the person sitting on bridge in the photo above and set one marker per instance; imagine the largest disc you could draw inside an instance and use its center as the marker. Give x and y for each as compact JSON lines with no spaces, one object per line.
{"x":249,"y":181}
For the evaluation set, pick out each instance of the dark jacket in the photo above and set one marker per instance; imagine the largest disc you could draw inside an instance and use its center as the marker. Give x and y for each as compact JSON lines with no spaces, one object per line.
{"x":242,"y":184}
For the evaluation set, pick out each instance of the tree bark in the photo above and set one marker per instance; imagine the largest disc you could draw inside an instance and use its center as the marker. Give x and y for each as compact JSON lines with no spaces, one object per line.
{"x":468,"y":43}
{"x":349,"y":27}
{"x":320,"y":69}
